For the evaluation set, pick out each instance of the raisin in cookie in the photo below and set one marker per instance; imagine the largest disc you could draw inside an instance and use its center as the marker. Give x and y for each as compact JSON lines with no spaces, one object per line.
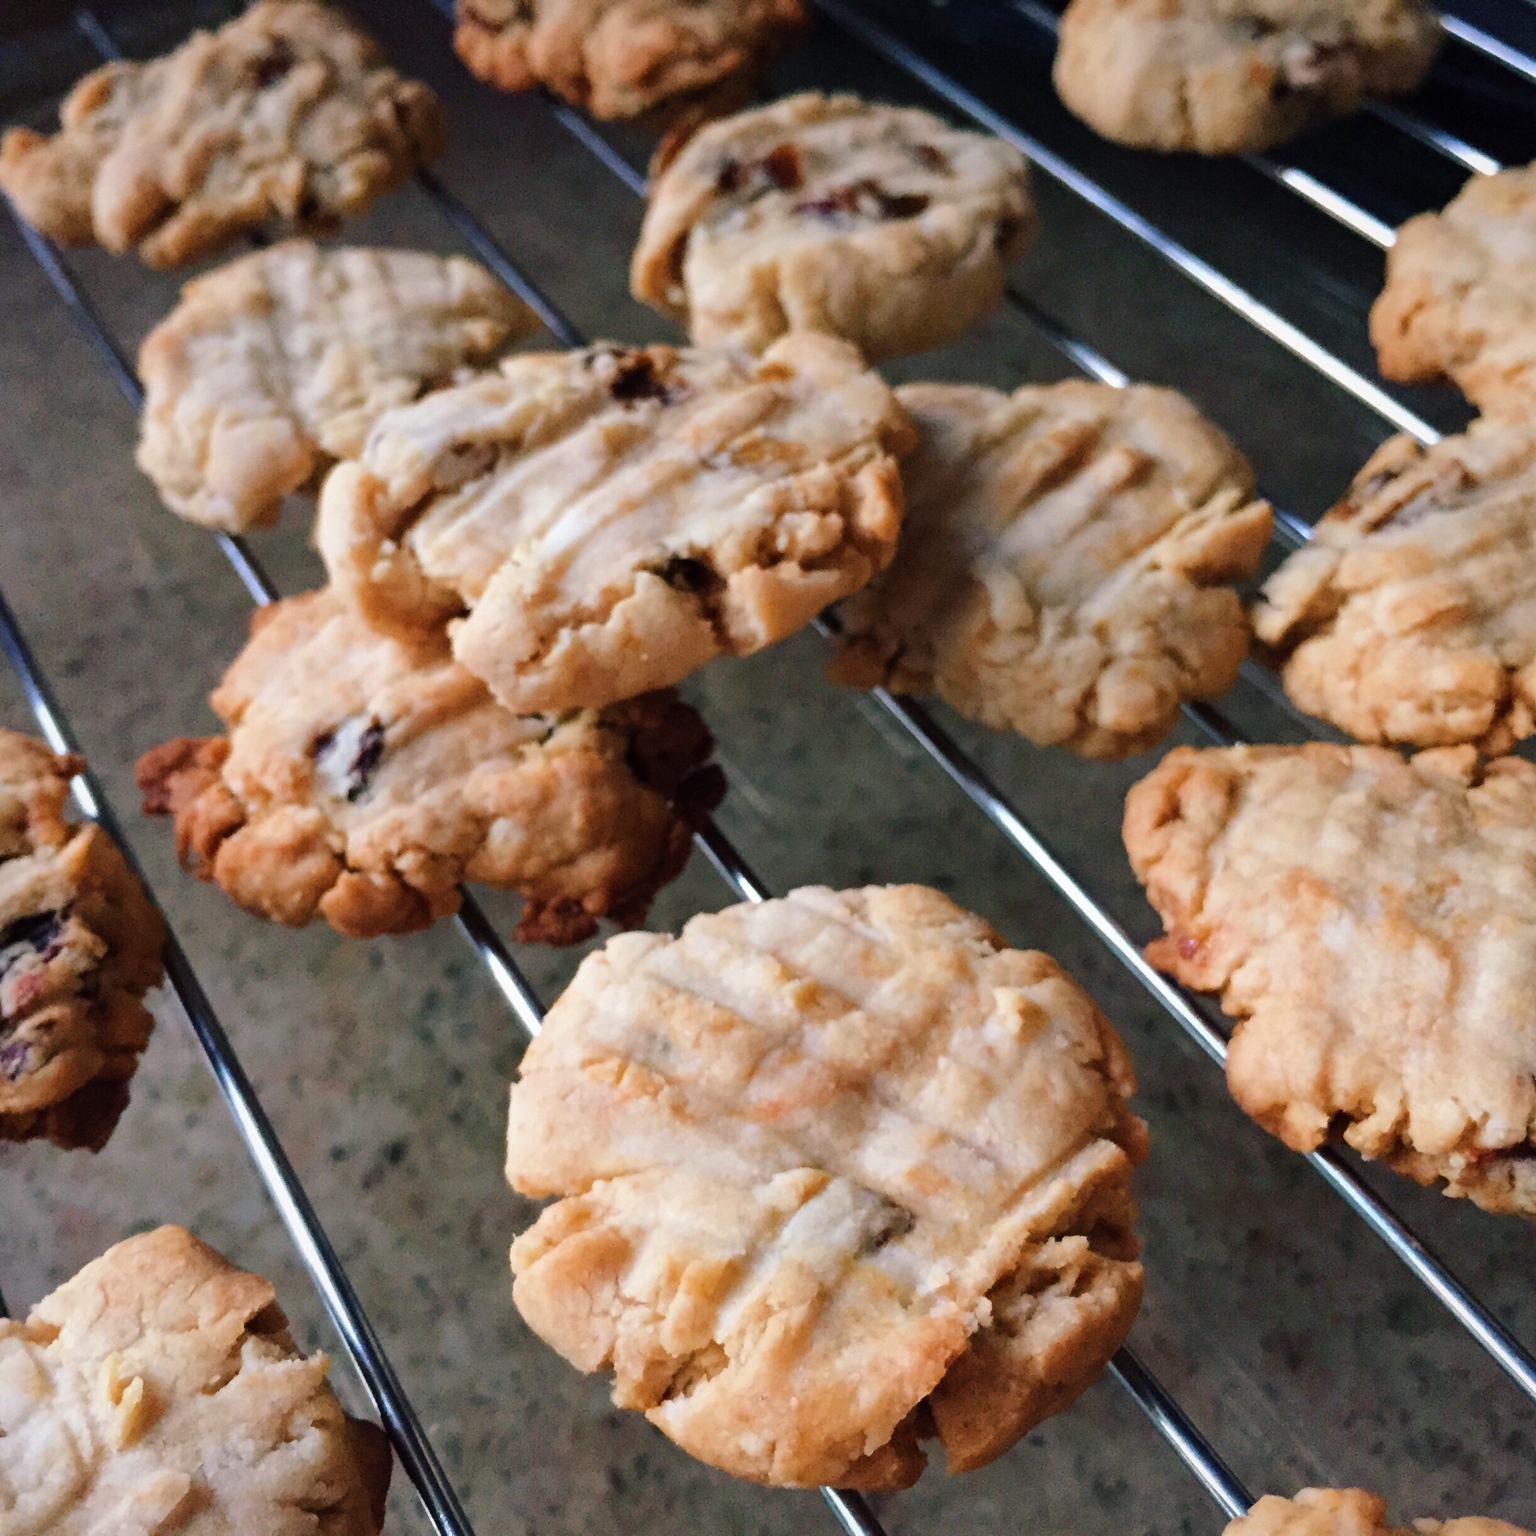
{"x":837,"y":1173}
{"x":79,"y":948}
{"x":1460,"y":296}
{"x":1349,"y":1512}
{"x":1062,"y":561}
{"x":828,"y":213}
{"x":1411,"y":615}
{"x":160,"y":1390}
{"x":1226,"y":76}
{"x":276,"y":363}
{"x":612,"y":519}
{"x":363,"y":777}
{"x":620,"y":58}
{"x":286,"y":116}
{"x":1371,"y":923}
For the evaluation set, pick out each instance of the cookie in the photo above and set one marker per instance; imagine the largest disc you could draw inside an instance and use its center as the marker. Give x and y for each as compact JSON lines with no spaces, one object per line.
{"x":1460,"y":296}
{"x":1348,"y":1512}
{"x":1062,"y":564}
{"x":835,"y":1174}
{"x":611,"y":519}
{"x":827,"y":213}
{"x":362,"y":778}
{"x":620,"y":58}
{"x":1411,"y":615}
{"x":79,"y":948}
{"x":1371,"y":924}
{"x":1223,"y":77}
{"x":277,"y":363}
{"x":160,"y":1390}
{"x":286,"y":117}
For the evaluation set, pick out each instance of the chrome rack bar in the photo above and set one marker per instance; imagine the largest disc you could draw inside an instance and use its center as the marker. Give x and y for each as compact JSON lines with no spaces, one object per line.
{"x":1322,"y":196}
{"x":1170,"y":1419}
{"x":1507,"y":1353}
{"x":1489,"y":46}
{"x":1218,"y":284}
{"x":1436,"y":138}
{"x":288,"y":1194}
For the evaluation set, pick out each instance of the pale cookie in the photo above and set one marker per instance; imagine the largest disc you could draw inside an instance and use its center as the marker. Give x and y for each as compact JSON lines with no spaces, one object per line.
{"x":837,"y":1174}
{"x":1371,"y":923}
{"x":279,"y":362}
{"x":1460,"y":297}
{"x":1062,"y":563}
{"x":828,"y":213}
{"x":1411,"y":615}
{"x":612,"y":519}
{"x":1223,"y":77}
{"x":1349,"y":1512}
{"x":362,"y":778}
{"x":285,"y":117}
{"x":160,"y":1390}
{"x":79,"y":948}
{"x":620,"y":58}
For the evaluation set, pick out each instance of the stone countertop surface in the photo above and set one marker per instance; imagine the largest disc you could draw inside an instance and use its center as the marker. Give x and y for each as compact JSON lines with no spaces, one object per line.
{"x":1295,"y":1341}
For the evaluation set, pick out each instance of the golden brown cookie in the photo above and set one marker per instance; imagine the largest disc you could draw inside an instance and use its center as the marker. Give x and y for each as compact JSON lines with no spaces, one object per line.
{"x":609,"y":520}
{"x":362,"y":778}
{"x":1371,"y":924}
{"x":277,"y":363}
{"x":620,"y":58}
{"x":1348,"y":1512}
{"x":1062,"y":564}
{"x":79,"y":948}
{"x":1411,"y":615}
{"x":828,"y":213}
{"x":1225,"y":77}
{"x":285,"y":117}
{"x":160,"y":1390}
{"x":835,"y":1174}
{"x":1460,"y":297}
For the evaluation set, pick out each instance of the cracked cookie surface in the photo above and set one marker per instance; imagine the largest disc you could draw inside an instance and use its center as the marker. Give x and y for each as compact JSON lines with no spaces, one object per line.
{"x":613,"y":518}
{"x":1410,"y":616}
{"x":829,"y":213}
{"x":1460,"y":297}
{"x":620,"y":58}
{"x":79,"y":948}
{"x":1225,"y":77}
{"x":286,"y":117}
{"x":1371,"y":924}
{"x":275,"y":364}
{"x":1349,"y":1512}
{"x":1061,"y":565}
{"x":158,"y":1390}
{"x":363,"y":777}
{"x":837,"y":1173}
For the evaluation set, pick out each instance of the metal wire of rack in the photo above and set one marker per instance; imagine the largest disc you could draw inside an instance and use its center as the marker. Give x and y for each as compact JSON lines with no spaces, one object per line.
{"x":850,"y":1510}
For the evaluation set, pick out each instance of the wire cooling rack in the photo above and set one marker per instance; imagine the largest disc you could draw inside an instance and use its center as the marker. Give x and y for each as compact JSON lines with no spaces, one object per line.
{"x":926,"y":47}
